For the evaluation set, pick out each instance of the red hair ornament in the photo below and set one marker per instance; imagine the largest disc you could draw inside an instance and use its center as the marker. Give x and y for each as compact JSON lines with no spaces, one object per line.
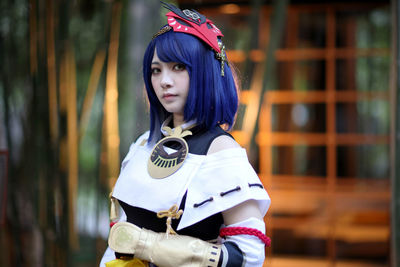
{"x":196,"y":24}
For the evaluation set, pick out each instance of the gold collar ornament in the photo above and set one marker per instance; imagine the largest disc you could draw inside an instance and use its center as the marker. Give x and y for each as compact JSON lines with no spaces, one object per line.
{"x":161,"y":164}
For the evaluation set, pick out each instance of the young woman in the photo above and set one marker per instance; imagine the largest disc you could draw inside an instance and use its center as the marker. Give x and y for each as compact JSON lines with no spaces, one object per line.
{"x":189,"y":195}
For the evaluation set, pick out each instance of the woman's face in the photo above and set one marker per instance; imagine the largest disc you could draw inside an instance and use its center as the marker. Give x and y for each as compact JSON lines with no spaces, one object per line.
{"x":170,"y":81}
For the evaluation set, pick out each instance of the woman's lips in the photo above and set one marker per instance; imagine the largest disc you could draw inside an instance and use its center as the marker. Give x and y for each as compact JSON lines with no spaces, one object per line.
{"x":168,"y":96}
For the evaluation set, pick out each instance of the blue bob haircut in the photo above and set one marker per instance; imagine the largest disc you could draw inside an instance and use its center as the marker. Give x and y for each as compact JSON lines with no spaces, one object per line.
{"x":212,"y":99}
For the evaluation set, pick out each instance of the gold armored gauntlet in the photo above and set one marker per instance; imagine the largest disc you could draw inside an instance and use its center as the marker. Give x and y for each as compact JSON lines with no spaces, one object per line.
{"x":162,"y":249}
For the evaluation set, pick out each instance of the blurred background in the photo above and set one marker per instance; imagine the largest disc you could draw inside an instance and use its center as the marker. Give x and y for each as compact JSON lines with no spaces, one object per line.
{"x":317,"y":116}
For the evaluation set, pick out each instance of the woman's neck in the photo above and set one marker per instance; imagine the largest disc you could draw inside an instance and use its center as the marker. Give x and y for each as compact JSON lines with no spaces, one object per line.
{"x":177,"y":120}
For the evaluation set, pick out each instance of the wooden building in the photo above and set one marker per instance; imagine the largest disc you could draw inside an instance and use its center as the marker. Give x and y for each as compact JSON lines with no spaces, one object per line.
{"x":316,"y":99}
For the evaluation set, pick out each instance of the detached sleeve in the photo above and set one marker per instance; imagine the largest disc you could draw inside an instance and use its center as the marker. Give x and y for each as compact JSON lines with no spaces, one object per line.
{"x":243,"y":250}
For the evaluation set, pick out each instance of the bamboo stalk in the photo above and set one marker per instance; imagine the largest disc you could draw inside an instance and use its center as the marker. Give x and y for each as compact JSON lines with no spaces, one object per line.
{"x":72,"y":125}
{"x":250,"y":115}
{"x":111,"y":98}
{"x":51,"y":73}
{"x":278,"y":19}
{"x":69,"y":146}
{"x":91,"y":91}
{"x":32,"y":37}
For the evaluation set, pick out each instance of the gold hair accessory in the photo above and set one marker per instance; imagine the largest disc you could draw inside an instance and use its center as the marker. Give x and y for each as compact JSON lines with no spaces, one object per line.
{"x":221,"y":57}
{"x":162,"y":30}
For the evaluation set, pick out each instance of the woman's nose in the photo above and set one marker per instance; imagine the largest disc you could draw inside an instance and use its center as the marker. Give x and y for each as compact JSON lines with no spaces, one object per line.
{"x":166,"y":80}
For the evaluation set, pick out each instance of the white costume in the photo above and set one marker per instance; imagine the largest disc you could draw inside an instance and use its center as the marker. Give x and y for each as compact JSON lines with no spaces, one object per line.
{"x":214,"y":183}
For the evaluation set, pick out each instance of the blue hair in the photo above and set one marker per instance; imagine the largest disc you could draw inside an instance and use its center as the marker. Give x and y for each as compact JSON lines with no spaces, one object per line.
{"x":212,"y":99}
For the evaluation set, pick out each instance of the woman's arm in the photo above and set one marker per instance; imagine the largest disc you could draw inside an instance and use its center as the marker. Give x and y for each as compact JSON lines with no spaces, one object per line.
{"x":242,"y":249}
{"x":242,"y":212}
{"x":245,"y":210}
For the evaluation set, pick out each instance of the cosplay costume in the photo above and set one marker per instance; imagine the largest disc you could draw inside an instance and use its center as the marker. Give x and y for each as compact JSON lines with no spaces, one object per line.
{"x":205,"y":186}
{"x":173,"y":193}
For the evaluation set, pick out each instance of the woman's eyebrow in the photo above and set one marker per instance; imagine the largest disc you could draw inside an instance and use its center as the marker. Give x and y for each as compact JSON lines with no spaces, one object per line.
{"x":155,"y":62}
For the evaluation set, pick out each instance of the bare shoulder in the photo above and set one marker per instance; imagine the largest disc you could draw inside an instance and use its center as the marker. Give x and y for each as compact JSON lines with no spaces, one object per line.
{"x":222,"y":142}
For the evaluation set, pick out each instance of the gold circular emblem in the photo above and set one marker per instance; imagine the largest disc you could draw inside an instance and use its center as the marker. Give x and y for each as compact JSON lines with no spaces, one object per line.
{"x":162,"y":164}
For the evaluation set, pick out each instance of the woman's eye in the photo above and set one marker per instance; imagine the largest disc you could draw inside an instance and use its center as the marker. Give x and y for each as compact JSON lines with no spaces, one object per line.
{"x":179,"y":67}
{"x":155,"y":70}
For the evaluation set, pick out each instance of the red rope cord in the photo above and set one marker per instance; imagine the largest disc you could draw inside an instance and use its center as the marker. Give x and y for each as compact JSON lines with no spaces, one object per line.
{"x":229,"y":231}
